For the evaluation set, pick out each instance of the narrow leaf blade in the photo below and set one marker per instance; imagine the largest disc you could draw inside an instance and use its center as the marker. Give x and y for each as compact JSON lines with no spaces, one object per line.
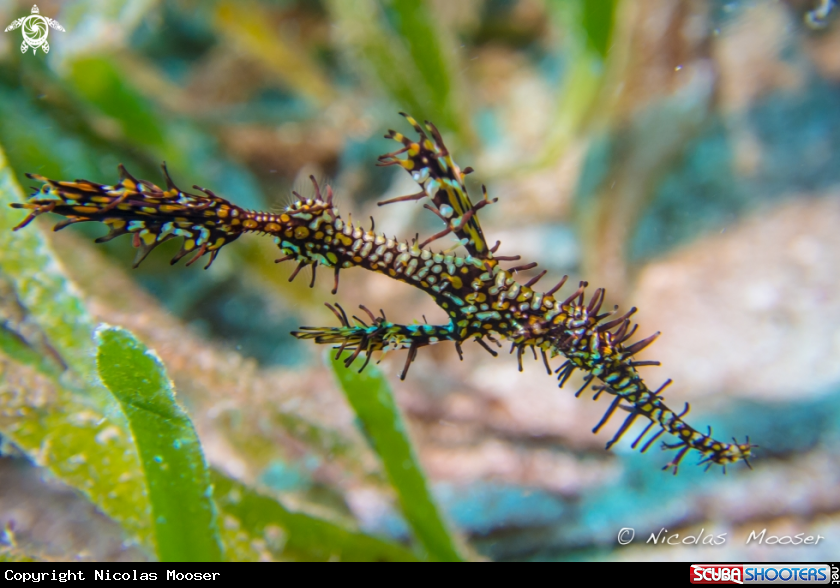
{"x":292,"y":535}
{"x":183,"y":514}
{"x":65,"y":421}
{"x":371,"y":398}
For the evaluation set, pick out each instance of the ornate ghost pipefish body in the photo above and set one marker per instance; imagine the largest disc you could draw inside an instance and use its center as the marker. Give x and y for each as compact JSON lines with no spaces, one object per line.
{"x":483,"y":300}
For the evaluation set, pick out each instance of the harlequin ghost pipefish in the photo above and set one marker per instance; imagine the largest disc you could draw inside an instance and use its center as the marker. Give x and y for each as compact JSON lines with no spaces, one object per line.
{"x":484,"y":302}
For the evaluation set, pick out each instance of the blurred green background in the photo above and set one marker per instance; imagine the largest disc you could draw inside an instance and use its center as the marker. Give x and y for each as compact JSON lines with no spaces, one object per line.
{"x":684,"y":154}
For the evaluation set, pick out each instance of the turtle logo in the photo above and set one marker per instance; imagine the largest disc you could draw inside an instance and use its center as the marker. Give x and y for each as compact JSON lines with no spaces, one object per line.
{"x":35,"y":31}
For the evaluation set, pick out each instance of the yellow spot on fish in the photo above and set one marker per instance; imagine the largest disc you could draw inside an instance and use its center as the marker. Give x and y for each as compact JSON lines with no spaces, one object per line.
{"x":456,"y":281}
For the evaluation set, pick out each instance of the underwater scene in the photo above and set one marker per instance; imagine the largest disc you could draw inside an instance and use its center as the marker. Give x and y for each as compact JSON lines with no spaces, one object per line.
{"x":619,"y":218}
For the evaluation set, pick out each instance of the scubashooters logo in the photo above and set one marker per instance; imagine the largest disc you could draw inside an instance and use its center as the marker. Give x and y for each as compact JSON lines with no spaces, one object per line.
{"x":35,"y":29}
{"x":760,"y":574}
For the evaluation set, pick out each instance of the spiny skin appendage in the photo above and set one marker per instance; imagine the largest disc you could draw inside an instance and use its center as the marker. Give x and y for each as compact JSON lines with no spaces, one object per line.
{"x":483,"y":300}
